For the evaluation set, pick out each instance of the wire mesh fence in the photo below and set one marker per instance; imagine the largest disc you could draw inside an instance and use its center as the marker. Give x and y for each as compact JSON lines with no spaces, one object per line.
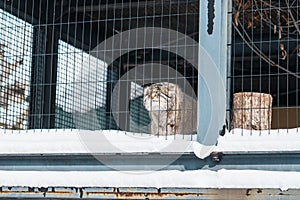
{"x":264,"y":78}
{"x":15,"y":59}
{"x":55,"y":75}
{"x":60,"y":81}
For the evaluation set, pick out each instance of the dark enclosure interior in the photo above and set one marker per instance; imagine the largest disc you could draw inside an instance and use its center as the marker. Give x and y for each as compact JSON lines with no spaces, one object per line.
{"x":64,"y":32}
{"x":265,"y":55}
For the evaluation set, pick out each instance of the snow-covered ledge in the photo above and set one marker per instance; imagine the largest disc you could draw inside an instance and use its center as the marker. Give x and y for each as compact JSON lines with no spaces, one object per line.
{"x":70,"y":141}
{"x":241,"y":140}
{"x":83,"y":141}
{"x":74,"y":141}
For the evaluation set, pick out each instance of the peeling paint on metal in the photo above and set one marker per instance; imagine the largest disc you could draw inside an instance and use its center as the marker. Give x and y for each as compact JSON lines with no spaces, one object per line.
{"x":145,"y":193}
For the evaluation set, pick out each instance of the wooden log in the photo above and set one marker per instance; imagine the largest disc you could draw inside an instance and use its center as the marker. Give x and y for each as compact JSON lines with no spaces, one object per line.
{"x":252,"y":110}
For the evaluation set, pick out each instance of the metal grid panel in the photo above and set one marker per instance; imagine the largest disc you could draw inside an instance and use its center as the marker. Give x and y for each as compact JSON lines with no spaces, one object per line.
{"x":68,"y":100}
{"x":265,"y":57}
{"x":72,"y":87}
{"x":84,"y":105}
{"x":15,"y":55}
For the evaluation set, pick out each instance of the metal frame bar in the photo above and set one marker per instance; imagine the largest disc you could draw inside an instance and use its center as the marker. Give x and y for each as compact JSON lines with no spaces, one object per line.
{"x":285,"y":161}
{"x":44,"y":75}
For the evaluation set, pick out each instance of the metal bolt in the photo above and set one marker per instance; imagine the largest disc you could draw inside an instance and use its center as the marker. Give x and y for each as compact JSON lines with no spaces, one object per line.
{"x":216,"y":156}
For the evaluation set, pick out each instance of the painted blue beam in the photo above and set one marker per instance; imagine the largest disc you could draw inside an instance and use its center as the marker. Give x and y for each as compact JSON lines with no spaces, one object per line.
{"x":84,"y":162}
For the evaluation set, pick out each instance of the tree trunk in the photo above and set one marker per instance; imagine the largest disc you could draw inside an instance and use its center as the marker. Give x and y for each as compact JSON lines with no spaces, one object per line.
{"x":252,"y":110}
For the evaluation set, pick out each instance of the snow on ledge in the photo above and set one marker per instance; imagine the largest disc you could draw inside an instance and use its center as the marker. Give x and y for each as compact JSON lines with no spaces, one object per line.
{"x":159,"y":179}
{"x":241,"y":140}
{"x":84,"y":141}
{"x":109,"y":141}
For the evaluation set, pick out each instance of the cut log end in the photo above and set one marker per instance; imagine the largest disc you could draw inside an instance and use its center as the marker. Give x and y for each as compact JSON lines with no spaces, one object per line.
{"x":252,"y":110}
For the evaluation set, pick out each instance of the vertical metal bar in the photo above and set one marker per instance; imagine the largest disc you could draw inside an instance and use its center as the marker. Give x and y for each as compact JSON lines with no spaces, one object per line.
{"x":297,"y":70}
{"x":213,"y":43}
{"x":243,"y":59}
{"x":278,"y":72}
{"x":50,"y":80}
{"x":229,"y":89}
{"x":269,"y":65}
{"x":50,"y":67}
{"x":38,"y":60}
{"x":44,"y":72}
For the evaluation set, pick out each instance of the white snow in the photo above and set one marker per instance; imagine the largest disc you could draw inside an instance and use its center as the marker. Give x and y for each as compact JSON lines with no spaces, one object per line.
{"x":73,"y":141}
{"x":159,"y":179}
{"x":109,"y":141}
{"x":241,"y":140}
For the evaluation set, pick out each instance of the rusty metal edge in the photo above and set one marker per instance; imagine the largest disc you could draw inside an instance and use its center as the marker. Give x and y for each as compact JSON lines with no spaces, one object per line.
{"x":144,"y":193}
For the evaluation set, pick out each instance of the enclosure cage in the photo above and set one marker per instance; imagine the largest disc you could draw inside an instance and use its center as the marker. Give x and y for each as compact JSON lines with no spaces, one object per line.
{"x":265,"y":59}
{"x":51,"y":52}
{"x":79,"y":65}
{"x":92,"y":89}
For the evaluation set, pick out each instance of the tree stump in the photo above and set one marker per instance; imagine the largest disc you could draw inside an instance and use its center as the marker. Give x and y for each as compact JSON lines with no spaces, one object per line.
{"x":252,"y":110}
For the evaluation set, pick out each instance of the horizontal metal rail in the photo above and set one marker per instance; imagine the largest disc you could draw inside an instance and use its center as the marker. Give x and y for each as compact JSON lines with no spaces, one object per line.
{"x":106,"y":162}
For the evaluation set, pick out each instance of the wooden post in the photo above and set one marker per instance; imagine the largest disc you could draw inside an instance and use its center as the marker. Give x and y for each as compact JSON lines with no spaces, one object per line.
{"x":252,"y":110}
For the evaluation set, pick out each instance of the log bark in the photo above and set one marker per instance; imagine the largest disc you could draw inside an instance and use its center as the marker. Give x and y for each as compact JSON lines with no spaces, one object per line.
{"x":252,"y":110}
